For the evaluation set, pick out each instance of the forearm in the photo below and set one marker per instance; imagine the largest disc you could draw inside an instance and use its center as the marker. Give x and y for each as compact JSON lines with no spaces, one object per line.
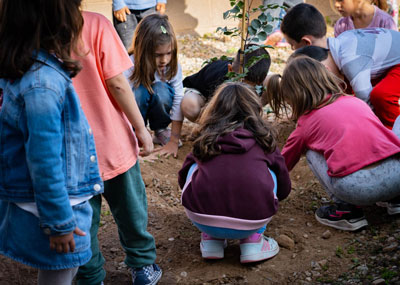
{"x":176,"y":129}
{"x":123,"y":95}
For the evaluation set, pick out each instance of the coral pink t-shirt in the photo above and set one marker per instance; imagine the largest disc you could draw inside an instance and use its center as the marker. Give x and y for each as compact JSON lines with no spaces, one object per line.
{"x":116,"y":143}
{"x":346,"y":132}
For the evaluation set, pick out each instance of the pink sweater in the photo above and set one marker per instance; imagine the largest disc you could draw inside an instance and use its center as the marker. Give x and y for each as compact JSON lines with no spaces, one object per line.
{"x":346,"y":132}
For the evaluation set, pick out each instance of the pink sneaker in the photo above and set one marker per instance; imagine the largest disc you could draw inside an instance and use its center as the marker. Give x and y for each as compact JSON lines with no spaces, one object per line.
{"x":257,"y":247}
{"x":212,"y":248}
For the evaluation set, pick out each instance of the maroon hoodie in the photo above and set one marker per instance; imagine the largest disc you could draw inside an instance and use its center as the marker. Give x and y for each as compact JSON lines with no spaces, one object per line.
{"x":235,"y":188}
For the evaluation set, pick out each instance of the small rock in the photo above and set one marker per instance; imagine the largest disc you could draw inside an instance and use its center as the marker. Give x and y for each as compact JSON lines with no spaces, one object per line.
{"x":326,"y":234}
{"x":171,"y":239}
{"x":308,"y":279}
{"x":114,"y":249}
{"x":307,"y":273}
{"x":323,"y":262}
{"x":309,"y":224}
{"x":391,"y":239}
{"x":362,"y":269}
{"x":391,"y":247}
{"x":184,"y":274}
{"x":379,"y":281}
{"x":285,"y":241}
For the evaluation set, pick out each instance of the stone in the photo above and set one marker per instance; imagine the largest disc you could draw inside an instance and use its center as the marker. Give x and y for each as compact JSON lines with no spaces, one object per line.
{"x":285,"y":241}
{"x":326,"y":234}
{"x":379,"y":281}
{"x":391,"y":247}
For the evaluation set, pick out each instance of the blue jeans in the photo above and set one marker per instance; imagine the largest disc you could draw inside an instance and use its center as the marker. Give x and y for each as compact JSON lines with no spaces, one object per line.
{"x":155,"y":107}
{"x":223,"y":233}
{"x":126,"y":29}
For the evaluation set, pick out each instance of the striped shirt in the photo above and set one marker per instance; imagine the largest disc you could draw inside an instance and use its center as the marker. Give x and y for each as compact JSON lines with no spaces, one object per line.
{"x":365,"y":54}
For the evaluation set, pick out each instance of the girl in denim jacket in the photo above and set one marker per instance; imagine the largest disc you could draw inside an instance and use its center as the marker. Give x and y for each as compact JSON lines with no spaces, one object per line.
{"x":48,"y":163}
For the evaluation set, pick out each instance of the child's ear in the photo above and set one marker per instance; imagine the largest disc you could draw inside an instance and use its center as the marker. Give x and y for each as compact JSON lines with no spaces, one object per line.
{"x":307,"y":40}
{"x":230,"y":68}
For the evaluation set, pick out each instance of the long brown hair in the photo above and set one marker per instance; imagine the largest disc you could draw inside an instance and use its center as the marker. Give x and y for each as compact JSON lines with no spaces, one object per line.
{"x":28,"y":26}
{"x":304,"y":86}
{"x":234,"y":105}
{"x":154,"y":30}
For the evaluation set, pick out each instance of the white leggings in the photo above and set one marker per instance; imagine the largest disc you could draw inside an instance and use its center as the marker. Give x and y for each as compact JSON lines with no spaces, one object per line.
{"x":363,"y":187}
{"x":59,"y":277}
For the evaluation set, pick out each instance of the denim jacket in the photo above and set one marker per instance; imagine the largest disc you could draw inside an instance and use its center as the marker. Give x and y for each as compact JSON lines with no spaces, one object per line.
{"x":47,"y":150}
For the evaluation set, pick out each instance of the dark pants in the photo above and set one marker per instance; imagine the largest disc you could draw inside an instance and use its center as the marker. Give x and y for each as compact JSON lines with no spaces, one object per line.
{"x":155,"y":107}
{"x":126,"y":29}
{"x":126,"y":196}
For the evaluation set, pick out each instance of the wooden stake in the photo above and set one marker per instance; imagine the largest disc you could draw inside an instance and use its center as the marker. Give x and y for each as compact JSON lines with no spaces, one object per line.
{"x":243,"y":36}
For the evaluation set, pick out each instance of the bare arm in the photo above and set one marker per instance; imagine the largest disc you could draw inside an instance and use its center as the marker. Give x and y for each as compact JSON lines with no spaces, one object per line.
{"x":122,"y":93}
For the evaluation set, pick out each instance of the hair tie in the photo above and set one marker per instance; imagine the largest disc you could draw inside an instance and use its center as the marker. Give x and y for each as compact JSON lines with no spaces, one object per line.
{"x":163,"y":30}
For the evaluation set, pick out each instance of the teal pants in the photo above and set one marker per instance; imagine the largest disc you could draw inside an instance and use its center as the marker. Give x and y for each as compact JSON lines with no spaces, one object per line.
{"x":126,"y":196}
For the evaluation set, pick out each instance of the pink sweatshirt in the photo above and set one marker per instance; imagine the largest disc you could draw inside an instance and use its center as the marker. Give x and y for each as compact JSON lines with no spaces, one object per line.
{"x":346,"y":132}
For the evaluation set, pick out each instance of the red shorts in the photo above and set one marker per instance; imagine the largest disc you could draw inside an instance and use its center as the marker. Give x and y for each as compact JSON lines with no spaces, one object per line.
{"x":385,"y":97}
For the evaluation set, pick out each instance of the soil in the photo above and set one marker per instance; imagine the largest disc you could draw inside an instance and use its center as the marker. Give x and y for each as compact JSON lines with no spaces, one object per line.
{"x":318,"y":255}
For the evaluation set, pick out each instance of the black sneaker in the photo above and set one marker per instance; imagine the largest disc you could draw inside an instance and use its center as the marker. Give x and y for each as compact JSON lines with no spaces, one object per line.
{"x":341,"y":216}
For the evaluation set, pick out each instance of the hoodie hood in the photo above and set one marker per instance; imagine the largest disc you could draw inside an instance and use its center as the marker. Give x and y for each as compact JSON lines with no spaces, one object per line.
{"x":238,"y":141}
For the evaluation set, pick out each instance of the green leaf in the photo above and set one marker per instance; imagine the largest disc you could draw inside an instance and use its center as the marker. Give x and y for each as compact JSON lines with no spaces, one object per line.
{"x":251,"y":31}
{"x":262,"y":36}
{"x":226,"y":14}
{"x":269,"y":18}
{"x":256,"y":24}
{"x":235,"y":10}
{"x":262,"y":17}
{"x":240,"y":4}
{"x":268,"y":29}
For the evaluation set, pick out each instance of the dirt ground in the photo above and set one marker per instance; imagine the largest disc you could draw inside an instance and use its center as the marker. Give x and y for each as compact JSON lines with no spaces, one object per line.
{"x":310,"y":253}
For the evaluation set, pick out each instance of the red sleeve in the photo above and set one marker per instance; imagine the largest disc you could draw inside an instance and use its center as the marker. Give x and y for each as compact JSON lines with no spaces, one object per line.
{"x":295,"y":146}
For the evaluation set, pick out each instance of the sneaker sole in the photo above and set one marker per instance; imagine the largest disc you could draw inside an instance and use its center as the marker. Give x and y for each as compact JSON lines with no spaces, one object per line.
{"x":259,"y":256}
{"x":390,"y":210}
{"x":343,"y":224}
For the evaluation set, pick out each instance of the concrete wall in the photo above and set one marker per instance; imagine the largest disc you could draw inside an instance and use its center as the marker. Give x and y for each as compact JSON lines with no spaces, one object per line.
{"x":199,"y":16}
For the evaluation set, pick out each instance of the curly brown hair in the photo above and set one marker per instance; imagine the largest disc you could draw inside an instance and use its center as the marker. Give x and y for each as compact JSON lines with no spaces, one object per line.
{"x":234,"y":105}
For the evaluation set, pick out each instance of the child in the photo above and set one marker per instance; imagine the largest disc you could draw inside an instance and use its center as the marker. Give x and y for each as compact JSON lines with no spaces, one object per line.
{"x":235,"y":175}
{"x":156,"y":80}
{"x":364,"y":57}
{"x":200,"y":86}
{"x":304,"y":25}
{"x":128,"y":13}
{"x":48,"y":164}
{"x":355,"y":158}
{"x":359,"y":14}
{"x":111,"y":110}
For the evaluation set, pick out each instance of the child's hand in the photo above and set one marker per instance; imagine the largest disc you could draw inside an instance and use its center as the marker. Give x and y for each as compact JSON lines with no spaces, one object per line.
{"x":160,"y":8}
{"x":121,"y":14}
{"x":171,"y":148}
{"x":65,"y":243}
{"x":144,"y":137}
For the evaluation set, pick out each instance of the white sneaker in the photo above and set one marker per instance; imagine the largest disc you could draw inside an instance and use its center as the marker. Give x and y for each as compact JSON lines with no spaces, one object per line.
{"x":252,"y":251}
{"x":212,"y":248}
{"x":391,"y":208}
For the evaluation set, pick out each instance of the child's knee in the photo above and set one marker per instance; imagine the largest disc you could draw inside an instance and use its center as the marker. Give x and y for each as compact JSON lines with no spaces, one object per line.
{"x":191,"y":106}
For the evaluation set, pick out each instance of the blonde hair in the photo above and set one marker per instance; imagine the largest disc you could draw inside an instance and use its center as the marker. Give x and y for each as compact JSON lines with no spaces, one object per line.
{"x":304,"y":86}
{"x":234,"y":105}
{"x":154,"y":30}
